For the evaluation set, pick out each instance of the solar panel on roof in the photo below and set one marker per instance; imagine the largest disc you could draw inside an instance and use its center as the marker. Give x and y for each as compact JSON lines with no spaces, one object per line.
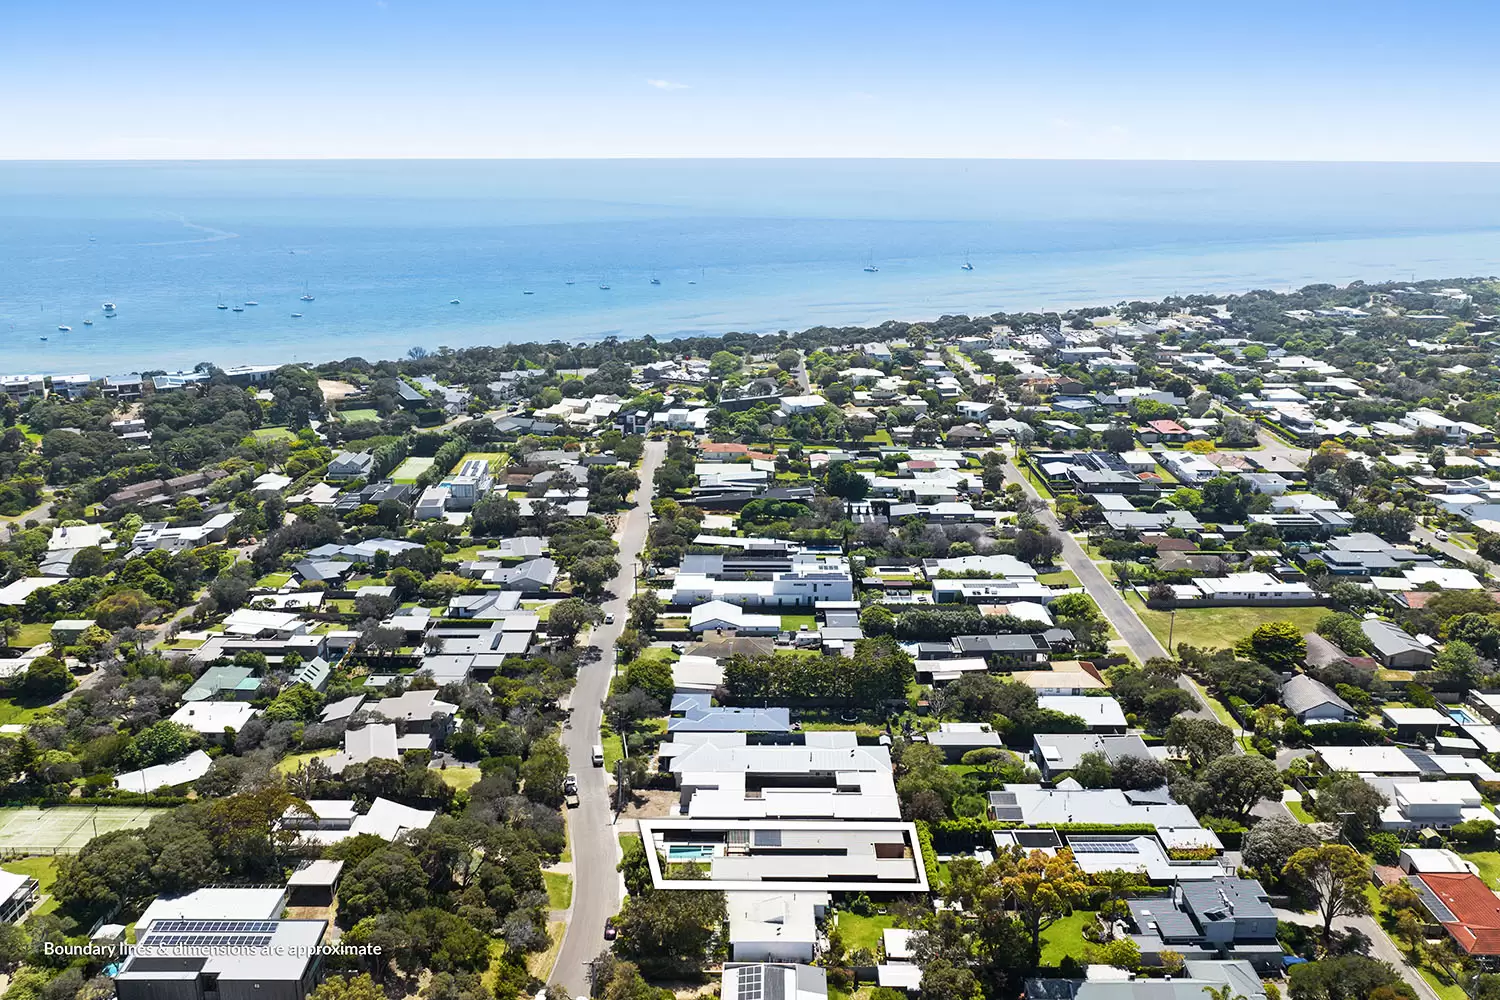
{"x":1104,"y":847}
{"x":1435,"y":905}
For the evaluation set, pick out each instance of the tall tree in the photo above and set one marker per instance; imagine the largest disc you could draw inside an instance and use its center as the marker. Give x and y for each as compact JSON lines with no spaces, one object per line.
{"x":1337,"y":876}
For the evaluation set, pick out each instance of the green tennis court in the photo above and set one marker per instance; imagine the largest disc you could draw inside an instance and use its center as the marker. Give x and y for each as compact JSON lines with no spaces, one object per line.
{"x":65,"y":829}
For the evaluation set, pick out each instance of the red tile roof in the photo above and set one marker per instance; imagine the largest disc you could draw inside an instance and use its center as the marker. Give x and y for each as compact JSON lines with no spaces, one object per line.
{"x":1167,"y":427}
{"x":1476,"y":907}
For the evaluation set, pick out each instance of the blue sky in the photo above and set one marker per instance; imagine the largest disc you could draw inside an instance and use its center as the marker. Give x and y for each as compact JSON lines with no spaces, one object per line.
{"x":464,"y":78}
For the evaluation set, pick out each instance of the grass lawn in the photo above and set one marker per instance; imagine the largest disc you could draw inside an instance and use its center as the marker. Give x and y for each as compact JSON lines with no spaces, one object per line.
{"x":559,"y":889}
{"x":1214,"y":705}
{"x":274,"y":580}
{"x":540,"y":963}
{"x":273,"y":434}
{"x":11,"y":713}
{"x":495,"y":459}
{"x":1064,"y":937}
{"x":1217,"y":628}
{"x":863,"y":932}
{"x":292,"y":761}
{"x":614,"y":750}
{"x":881,"y":436}
{"x":1445,"y":988}
{"x":490,"y":976}
{"x":31,"y":634}
{"x":791,"y":623}
{"x":460,"y":777}
{"x":1489,"y":866}
{"x":350,"y":416}
{"x":44,"y":870}
{"x":409,"y":470}
{"x":1298,"y":810}
{"x":1062,"y":578}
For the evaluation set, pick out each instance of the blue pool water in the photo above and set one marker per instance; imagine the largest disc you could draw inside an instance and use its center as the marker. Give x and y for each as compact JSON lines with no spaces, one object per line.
{"x":1461,"y":717}
{"x":688,"y":852}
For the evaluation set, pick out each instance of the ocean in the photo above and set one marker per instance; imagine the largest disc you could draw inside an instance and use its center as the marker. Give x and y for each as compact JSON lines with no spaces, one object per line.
{"x":735,"y":245}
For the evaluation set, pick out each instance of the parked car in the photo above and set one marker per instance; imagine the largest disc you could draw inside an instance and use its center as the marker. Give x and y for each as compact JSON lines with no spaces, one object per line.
{"x":609,"y":618}
{"x":1441,"y":536}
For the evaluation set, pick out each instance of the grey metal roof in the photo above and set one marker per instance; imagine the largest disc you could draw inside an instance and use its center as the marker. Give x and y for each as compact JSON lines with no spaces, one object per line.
{"x":1303,"y":694}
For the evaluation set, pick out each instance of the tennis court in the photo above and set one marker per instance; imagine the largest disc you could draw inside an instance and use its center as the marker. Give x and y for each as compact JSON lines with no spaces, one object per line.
{"x":65,"y":829}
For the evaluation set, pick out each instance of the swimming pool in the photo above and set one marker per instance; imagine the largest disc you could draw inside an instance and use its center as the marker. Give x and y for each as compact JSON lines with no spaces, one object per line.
{"x":1461,"y":717}
{"x":688,"y":852}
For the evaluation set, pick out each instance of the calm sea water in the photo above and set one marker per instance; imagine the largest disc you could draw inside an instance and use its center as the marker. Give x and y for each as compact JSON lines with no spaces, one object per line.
{"x":735,"y":244}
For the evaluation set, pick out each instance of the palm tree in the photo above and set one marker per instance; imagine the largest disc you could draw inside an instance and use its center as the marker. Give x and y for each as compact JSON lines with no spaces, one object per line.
{"x":1225,"y":992}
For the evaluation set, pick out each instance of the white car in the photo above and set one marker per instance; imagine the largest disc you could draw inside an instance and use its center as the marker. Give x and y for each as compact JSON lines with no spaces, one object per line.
{"x":1441,"y":536}
{"x":609,"y":619}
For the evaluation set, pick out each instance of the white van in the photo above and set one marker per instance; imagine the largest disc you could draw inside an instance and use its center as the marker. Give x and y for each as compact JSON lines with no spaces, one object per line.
{"x":598,"y":755}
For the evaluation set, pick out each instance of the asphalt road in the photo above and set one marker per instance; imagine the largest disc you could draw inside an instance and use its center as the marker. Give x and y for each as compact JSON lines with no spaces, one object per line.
{"x":1464,"y":557}
{"x":1126,"y":622}
{"x":596,"y":884}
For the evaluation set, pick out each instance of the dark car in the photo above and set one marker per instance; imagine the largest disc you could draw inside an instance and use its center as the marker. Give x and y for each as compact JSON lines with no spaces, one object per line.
{"x":610,"y":930}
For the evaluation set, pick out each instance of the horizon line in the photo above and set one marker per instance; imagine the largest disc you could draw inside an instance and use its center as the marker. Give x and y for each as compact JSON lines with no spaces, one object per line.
{"x":356,"y":158}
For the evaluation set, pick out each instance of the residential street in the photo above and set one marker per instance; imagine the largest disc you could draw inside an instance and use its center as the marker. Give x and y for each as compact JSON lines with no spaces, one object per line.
{"x":1462,"y":556}
{"x":1126,"y":622}
{"x":596,"y":892}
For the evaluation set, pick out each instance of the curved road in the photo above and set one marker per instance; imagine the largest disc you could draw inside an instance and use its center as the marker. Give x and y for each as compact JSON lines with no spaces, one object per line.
{"x":596,"y":885}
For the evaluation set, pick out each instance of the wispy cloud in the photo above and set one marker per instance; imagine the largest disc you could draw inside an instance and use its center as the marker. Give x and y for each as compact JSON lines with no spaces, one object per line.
{"x":666,"y":85}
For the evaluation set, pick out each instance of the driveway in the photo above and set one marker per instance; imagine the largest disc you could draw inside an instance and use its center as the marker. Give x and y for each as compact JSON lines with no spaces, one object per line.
{"x":596,"y":885}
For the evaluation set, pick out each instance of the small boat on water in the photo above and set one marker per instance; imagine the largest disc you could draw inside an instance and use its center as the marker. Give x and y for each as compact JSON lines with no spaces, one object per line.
{"x":108,"y":307}
{"x":44,"y":338}
{"x":655,"y":280}
{"x":603,"y":287}
{"x":568,"y":282}
{"x":528,"y":292}
{"x":65,"y":329}
{"x":88,"y":322}
{"x":453,"y":302}
{"x":239,"y":309}
{"x":221,"y":305}
{"x":306,"y":295}
{"x":967,"y":266}
{"x":252,"y":302}
{"x":296,"y":315}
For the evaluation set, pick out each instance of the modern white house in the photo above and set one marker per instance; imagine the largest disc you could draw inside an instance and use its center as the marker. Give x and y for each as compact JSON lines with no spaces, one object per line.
{"x":811,"y":578}
{"x":774,"y":926}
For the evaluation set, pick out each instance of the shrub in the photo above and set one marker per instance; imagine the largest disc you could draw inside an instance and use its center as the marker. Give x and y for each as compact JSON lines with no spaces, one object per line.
{"x":1385,"y":847}
{"x":1474,"y":833}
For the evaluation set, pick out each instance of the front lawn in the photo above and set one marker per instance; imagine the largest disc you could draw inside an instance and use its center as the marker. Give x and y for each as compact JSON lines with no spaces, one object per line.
{"x":792,"y":623}
{"x":273,"y":434}
{"x":292,"y":761}
{"x":274,"y":581}
{"x":460,"y":777}
{"x":33,"y":634}
{"x":1064,"y":937}
{"x":863,"y":932}
{"x":1218,"y":628}
{"x":1062,"y":578}
{"x":1298,"y":810}
{"x":1488,"y":863}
